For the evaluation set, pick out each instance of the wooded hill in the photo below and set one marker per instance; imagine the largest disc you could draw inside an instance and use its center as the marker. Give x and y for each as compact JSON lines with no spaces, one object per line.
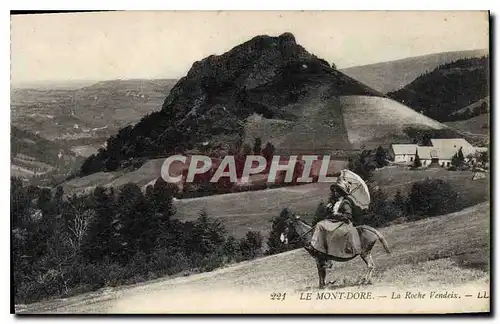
{"x":448,"y":89}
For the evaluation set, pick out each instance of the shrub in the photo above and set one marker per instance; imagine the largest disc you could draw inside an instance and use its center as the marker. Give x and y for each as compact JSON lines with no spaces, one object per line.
{"x":458,"y":159}
{"x":399,"y":203}
{"x":363,"y":164}
{"x":129,"y":238}
{"x":274,"y":244}
{"x":417,"y":163}
{"x":381,"y":211}
{"x":483,"y":157}
{"x":257,"y":146}
{"x":431,"y":197}
{"x":232,"y":249}
{"x":251,"y":245}
{"x":381,"y":157}
{"x":212,"y":261}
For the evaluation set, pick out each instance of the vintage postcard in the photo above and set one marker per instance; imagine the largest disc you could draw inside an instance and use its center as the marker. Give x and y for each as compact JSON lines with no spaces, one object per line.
{"x":240,"y":162}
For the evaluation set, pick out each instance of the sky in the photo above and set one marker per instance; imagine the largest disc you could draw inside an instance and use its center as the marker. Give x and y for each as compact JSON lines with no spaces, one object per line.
{"x":164,"y":44}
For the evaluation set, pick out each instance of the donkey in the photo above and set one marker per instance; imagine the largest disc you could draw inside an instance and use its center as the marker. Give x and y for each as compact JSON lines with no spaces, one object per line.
{"x":368,"y":237}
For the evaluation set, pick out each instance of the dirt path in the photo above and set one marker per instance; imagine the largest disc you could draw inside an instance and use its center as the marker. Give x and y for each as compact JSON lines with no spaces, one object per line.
{"x":247,"y":288}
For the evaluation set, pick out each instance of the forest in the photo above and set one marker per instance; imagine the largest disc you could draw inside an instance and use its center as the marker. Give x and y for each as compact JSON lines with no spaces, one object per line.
{"x":447,"y":89}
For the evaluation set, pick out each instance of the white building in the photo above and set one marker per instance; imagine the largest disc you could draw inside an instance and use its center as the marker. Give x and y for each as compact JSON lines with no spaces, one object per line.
{"x":428,"y":155}
{"x":403,"y":153}
{"x":440,"y":153}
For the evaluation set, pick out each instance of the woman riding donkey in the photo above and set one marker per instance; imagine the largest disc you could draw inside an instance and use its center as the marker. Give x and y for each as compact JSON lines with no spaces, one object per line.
{"x":336,"y":238}
{"x":339,"y":223}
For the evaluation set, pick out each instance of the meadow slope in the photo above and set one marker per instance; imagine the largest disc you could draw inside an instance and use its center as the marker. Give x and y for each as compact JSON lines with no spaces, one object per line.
{"x":427,"y":255}
{"x":393,"y":75}
{"x":254,"y":210}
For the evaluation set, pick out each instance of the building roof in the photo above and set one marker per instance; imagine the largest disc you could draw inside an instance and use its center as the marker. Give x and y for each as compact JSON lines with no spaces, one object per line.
{"x":455,"y":143}
{"x":427,"y":152}
{"x":407,"y":149}
{"x":441,"y":153}
{"x":443,"y":149}
{"x":446,"y":153}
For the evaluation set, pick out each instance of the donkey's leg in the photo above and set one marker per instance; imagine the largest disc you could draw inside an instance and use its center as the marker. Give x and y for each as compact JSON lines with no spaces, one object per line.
{"x":367,"y":257}
{"x":321,"y":265}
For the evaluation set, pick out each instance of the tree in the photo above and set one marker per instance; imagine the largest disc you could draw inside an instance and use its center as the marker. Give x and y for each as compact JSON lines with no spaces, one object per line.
{"x":58,"y":199}
{"x":257,"y":146}
{"x":378,"y":201}
{"x":44,"y":202}
{"x":431,"y":197}
{"x":208,"y":235}
{"x":381,"y":211}
{"x":417,"y":163}
{"x":458,"y":159}
{"x":483,"y":157}
{"x":231,"y":247}
{"x":461,"y":155}
{"x":334,"y":66}
{"x":399,"y":203}
{"x":247,"y":150}
{"x":162,"y":197}
{"x":381,"y":157}
{"x":363,"y":164}
{"x":100,"y":240}
{"x":268,"y":153}
{"x":274,"y":244}
{"x":20,"y":203}
{"x":251,"y":245}
{"x":133,"y":222}
{"x":77,"y":216}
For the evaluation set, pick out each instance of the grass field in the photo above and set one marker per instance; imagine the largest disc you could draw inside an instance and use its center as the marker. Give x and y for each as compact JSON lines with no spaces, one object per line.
{"x":479,"y":125}
{"x":427,"y":255}
{"x":373,"y":121}
{"x":142,"y":176}
{"x":394,"y":75}
{"x":254,"y":210}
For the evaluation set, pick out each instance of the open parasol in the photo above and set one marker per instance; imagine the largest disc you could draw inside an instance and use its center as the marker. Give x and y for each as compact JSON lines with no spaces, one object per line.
{"x":358,"y":190}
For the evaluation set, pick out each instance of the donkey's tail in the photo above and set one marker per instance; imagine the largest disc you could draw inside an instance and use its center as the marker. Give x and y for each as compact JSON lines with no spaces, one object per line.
{"x":379,"y":235}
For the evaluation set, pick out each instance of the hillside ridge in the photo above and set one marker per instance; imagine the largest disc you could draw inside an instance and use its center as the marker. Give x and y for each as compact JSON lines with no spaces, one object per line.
{"x":273,"y":77}
{"x":393,"y":75}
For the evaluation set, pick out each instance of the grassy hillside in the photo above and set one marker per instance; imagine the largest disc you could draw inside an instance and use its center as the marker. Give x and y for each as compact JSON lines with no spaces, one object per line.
{"x":478,"y":125}
{"x":475,"y":109}
{"x":427,"y":255}
{"x":447,"y":89}
{"x":373,"y":121}
{"x":239,"y":211}
{"x":148,"y":172}
{"x":240,"y":214}
{"x":316,"y":128}
{"x":394,"y":75}
{"x":29,"y":144}
{"x":40,"y":160}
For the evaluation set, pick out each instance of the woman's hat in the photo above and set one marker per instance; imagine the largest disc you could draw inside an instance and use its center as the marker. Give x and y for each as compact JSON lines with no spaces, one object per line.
{"x":342,"y":185}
